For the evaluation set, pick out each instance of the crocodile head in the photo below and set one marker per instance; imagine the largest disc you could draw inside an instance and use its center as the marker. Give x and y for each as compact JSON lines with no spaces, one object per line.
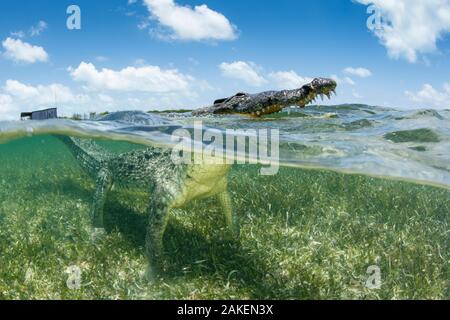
{"x":272,"y":101}
{"x":318,"y":87}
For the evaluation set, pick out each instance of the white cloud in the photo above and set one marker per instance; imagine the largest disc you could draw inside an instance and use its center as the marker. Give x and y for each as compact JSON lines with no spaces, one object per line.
{"x":447,"y":87}
{"x":20,"y":51}
{"x":431,"y":97}
{"x":288,"y":79}
{"x":139,"y":79}
{"x":244,"y":71}
{"x":186,"y":23}
{"x":6,"y":106}
{"x":413,"y":26}
{"x":359,"y":72}
{"x":38,"y":28}
{"x":38,"y":95}
{"x":106,"y":99}
{"x":16,"y":97}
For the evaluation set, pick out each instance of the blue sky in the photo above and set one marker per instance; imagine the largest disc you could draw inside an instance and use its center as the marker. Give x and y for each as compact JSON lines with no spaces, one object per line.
{"x":161,"y":54}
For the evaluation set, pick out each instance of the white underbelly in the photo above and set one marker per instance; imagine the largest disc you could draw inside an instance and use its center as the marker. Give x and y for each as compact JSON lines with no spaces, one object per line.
{"x":201,"y":184}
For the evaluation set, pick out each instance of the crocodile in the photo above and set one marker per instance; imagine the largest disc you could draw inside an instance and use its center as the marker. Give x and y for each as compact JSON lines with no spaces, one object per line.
{"x":257,"y":105}
{"x":170,"y":186}
{"x":175,"y":185}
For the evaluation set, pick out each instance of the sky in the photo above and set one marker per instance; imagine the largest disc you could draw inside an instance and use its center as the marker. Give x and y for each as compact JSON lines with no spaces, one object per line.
{"x":170,"y":54}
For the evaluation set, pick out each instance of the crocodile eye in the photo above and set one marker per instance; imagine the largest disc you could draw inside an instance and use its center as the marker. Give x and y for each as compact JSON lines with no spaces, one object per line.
{"x":220,"y":101}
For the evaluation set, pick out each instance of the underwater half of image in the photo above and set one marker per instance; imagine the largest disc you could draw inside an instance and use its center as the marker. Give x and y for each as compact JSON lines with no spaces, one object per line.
{"x":358,"y":209}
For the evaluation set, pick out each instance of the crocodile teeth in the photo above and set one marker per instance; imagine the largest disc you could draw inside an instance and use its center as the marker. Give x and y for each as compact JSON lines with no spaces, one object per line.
{"x":321,"y":96}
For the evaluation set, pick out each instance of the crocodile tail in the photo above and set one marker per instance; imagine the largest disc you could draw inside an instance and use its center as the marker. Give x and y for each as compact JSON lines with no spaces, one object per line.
{"x":90,"y":156}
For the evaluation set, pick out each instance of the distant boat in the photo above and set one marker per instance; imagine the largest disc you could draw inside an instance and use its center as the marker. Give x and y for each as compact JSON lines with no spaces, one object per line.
{"x":51,"y":113}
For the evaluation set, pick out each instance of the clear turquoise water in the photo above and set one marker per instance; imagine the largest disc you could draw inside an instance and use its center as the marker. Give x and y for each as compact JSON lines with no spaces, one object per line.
{"x":359,"y":186}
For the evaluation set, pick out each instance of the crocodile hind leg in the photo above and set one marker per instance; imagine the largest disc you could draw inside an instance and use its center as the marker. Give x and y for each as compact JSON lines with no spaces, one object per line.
{"x":158,"y":218}
{"x":103,"y":185}
{"x":230,"y":216}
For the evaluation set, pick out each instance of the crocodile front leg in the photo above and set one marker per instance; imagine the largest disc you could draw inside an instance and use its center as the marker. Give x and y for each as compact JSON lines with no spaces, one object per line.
{"x":103,"y":185}
{"x":158,"y":217}
{"x":231,"y":217}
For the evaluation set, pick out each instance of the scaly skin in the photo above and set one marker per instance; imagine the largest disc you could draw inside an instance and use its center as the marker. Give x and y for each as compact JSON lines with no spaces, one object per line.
{"x":270,"y":102}
{"x":174,"y":186}
{"x":170,"y":186}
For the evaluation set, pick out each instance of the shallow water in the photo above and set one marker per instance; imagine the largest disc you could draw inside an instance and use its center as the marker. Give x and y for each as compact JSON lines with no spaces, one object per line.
{"x":309,"y":232}
{"x":409,"y":145}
